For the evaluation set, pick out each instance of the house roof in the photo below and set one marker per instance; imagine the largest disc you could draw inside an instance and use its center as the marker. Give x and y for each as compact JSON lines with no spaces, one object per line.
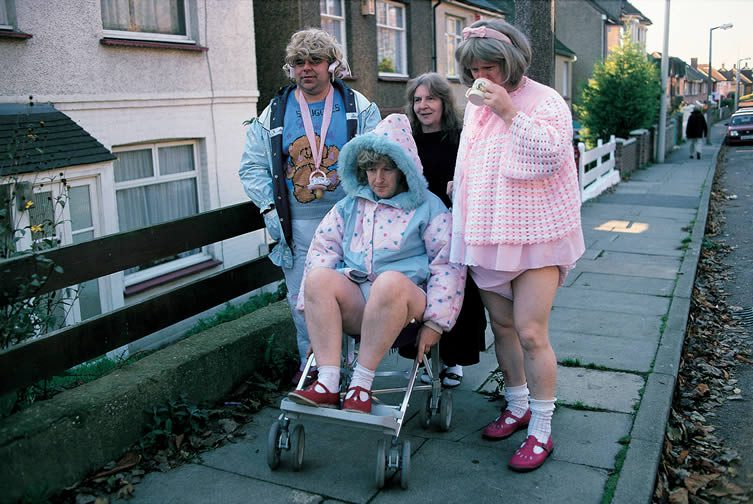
{"x":693,"y":74}
{"x":562,"y":49}
{"x":38,"y":137}
{"x":728,"y":73}
{"x":602,"y":10}
{"x":629,"y":9}
{"x":677,"y":67}
{"x":490,"y":5}
{"x":714,"y":73}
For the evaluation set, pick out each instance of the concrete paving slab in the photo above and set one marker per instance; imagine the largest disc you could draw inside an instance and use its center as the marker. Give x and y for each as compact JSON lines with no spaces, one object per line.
{"x":198,"y":484}
{"x":590,"y":438}
{"x":593,"y":299}
{"x":623,"y":283}
{"x":443,"y":471}
{"x":608,"y":390}
{"x":606,"y":323}
{"x":619,"y":353}
{"x":650,"y":246}
{"x":333,"y":453}
{"x":620,"y":263}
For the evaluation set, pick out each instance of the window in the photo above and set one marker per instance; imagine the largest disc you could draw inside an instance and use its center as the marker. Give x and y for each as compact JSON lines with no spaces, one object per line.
{"x":160,"y":20}
{"x":157,"y":183}
{"x":453,"y":37}
{"x":391,"y":42}
{"x":6,"y":15}
{"x":565,"y":78}
{"x":333,"y":20}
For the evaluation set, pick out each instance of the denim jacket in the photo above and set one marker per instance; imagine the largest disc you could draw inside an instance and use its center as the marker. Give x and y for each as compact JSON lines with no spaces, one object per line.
{"x":262,"y":170}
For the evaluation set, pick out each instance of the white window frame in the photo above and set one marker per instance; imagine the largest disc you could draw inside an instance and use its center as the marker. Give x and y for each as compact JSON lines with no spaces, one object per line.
{"x":401,"y":72}
{"x":457,"y":38}
{"x":150,"y":36}
{"x":10,"y":11}
{"x":565,"y":78}
{"x":157,"y":178}
{"x":325,"y":14}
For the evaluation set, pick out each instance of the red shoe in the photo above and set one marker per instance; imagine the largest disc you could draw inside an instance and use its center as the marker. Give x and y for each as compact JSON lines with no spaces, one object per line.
{"x":501,"y":428}
{"x":531,"y":454}
{"x":315,"y":395}
{"x":353,"y":400}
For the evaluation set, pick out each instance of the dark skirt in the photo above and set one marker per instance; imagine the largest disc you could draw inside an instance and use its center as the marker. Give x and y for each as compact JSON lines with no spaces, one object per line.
{"x":467,"y":338}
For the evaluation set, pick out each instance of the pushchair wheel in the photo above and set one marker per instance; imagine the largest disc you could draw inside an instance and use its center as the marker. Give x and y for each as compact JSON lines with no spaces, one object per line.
{"x":380,"y":463}
{"x":297,"y":445}
{"x":405,"y":465}
{"x":273,"y":445}
{"x":424,"y":415}
{"x":445,"y":410}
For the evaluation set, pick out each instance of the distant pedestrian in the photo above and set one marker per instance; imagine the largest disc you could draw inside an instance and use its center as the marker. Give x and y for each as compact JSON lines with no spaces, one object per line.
{"x":695,"y":131}
{"x":516,"y":221}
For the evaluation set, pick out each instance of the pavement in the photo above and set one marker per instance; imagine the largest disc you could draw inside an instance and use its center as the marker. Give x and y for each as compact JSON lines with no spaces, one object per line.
{"x":617,"y":327}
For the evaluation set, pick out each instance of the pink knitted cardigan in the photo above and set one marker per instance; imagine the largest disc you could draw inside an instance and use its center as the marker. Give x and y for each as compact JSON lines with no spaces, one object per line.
{"x":516,"y":185}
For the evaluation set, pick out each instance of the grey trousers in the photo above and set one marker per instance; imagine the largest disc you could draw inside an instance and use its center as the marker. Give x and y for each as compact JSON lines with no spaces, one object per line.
{"x":303,"y":232}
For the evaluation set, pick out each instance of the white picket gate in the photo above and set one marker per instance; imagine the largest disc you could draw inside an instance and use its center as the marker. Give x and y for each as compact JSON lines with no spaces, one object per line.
{"x":603,"y":175}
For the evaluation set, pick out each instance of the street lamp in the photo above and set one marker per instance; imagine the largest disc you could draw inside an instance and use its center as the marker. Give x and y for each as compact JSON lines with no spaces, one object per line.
{"x":737,"y":81}
{"x":725,"y":26}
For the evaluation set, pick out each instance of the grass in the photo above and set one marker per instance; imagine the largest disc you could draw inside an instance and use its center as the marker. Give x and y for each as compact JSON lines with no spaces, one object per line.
{"x":619,"y":460}
{"x":232,"y":312}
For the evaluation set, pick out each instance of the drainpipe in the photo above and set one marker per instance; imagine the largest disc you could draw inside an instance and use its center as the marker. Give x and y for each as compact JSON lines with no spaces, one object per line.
{"x":603,"y":37}
{"x":434,"y":36}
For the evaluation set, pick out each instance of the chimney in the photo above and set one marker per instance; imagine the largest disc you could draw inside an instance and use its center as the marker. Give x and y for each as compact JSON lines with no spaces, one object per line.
{"x":694,"y":62}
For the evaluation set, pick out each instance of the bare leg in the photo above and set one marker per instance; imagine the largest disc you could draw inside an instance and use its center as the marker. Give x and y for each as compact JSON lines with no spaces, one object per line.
{"x":333,"y":304}
{"x":506,"y":340}
{"x":393,"y":302}
{"x":534,"y":293}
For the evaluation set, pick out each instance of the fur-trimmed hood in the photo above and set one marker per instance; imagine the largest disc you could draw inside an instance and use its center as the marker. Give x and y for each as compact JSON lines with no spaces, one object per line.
{"x":392,"y":137}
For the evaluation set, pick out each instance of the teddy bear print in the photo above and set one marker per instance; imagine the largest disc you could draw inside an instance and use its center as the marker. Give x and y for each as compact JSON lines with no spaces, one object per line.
{"x":301,"y":166}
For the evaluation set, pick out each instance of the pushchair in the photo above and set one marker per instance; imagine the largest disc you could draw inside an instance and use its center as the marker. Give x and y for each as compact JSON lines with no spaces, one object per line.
{"x":436,"y":405}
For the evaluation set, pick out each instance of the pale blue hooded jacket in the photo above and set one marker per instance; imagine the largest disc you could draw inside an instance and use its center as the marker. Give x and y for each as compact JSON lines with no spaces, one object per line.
{"x":363,"y":236}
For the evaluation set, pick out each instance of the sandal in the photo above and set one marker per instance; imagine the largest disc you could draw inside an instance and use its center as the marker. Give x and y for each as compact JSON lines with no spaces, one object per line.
{"x":531,"y":454}
{"x":353,"y":401}
{"x":451,"y":379}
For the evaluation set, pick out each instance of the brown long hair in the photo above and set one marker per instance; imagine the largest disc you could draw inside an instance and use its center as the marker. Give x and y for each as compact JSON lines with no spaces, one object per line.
{"x":451,"y":125}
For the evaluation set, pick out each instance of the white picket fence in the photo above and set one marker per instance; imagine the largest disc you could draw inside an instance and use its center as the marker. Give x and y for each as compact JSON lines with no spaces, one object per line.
{"x":601,"y":176}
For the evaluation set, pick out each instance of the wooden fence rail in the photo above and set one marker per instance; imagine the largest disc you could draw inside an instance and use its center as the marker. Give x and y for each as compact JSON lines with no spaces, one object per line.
{"x":53,"y":353}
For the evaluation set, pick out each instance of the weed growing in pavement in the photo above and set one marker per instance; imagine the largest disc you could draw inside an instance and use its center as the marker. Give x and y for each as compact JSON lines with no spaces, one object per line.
{"x":614,"y":476}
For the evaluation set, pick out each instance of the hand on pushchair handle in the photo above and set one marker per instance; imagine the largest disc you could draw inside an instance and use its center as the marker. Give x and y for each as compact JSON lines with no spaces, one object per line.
{"x":427,"y":338}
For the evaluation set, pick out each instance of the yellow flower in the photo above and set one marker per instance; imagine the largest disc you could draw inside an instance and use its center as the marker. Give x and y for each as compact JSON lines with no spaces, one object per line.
{"x":36,"y":228}
{"x":28,"y":204}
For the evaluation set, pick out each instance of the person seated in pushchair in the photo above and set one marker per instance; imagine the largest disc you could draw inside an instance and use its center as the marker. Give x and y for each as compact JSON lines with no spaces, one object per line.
{"x":378,"y":262}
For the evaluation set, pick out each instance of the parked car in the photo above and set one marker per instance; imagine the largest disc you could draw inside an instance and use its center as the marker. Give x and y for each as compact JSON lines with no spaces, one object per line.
{"x":739,"y":128}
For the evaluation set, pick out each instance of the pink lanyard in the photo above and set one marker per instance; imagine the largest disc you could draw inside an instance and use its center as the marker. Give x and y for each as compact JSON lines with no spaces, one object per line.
{"x":316,"y":150}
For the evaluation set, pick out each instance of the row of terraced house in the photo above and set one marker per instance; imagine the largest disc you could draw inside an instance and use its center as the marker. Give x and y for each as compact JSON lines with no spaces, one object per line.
{"x":139,"y":104}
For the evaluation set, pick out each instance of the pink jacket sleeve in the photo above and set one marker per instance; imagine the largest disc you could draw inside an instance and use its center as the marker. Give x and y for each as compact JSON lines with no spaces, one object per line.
{"x":540,"y":143}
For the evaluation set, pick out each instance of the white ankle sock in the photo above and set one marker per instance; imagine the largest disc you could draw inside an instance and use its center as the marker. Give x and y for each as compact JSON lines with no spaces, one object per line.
{"x":329,"y":376}
{"x":517,"y":399}
{"x":362,"y":377}
{"x":541,"y":419}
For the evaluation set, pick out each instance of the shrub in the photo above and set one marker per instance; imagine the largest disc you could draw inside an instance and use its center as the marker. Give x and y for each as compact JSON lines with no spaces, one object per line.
{"x":622,"y":95}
